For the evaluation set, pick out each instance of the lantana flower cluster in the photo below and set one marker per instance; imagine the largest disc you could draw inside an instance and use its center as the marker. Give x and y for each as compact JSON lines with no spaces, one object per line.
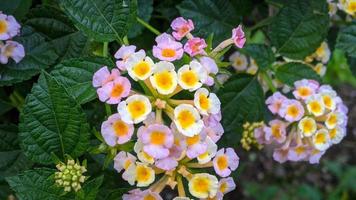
{"x":10,"y":28}
{"x":306,"y":125}
{"x":173,"y":135}
{"x":347,"y":6}
{"x":70,"y":175}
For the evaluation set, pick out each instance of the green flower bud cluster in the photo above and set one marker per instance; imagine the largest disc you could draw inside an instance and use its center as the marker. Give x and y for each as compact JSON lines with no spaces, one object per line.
{"x":248,"y":139}
{"x":70,"y":175}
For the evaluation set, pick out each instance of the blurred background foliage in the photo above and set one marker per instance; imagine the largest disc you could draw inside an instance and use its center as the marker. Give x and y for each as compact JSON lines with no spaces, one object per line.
{"x":259,"y":176}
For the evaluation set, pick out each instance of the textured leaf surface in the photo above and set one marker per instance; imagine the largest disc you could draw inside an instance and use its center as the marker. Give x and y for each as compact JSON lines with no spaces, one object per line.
{"x":291,"y":72}
{"x":39,"y":55}
{"x":299,"y":28}
{"x":346,"y":40}
{"x":144,"y":11}
{"x":77,"y":75}
{"x":18,"y":8}
{"x":12,"y":159}
{"x":52,"y":121}
{"x":262,"y":54}
{"x":209,"y":16}
{"x":36,"y":184}
{"x":90,"y":189}
{"x":242,"y":100}
{"x":104,"y":20}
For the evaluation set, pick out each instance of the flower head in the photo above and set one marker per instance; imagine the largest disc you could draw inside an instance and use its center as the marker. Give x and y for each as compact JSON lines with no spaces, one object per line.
{"x":192,"y":76}
{"x":157,"y":139}
{"x":137,"y":194}
{"x":238,"y":36}
{"x":211,"y":67}
{"x":238,"y":61}
{"x":307,"y":126}
{"x":167,"y":48}
{"x":9,"y":27}
{"x":206,"y":102}
{"x":12,"y":50}
{"x":274,"y":102}
{"x":123,"y":160}
{"x":315,"y":105}
{"x":134,"y":109}
{"x":276,"y":132}
{"x":140,"y":173}
{"x":187,"y":120}
{"x":123,"y":55}
{"x":164,"y":78}
{"x":116,"y":131}
{"x":321,"y":139}
{"x":70,"y":175}
{"x":195,"y":46}
{"x":181,"y":27}
{"x":305,"y":88}
{"x":139,"y":66}
{"x":225,"y":162}
{"x":291,"y":110}
{"x":203,"y":185}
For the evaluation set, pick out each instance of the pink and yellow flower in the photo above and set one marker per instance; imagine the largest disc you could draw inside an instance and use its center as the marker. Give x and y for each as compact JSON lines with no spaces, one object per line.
{"x":321,"y":139}
{"x":196,"y":145}
{"x":238,"y":61}
{"x":192,"y":76}
{"x":291,"y":110}
{"x":116,"y":131}
{"x":134,"y":109}
{"x":307,"y":126}
{"x":137,"y":194}
{"x":276,"y":131}
{"x":211,"y":67}
{"x":167,"y":48}
{"x":315,"y":105}
{"x":225,"y":162}
{"x":275,"y":101}
{"x":298,"y":153}
{"x":181,"y":27}
{"x":139,"y":66}
{"x":123,"y":54}
{"x":187,"y":120}
{"x":238,"y":36}
{"x":13,"y":50}
{"x":123,"y":160}
{"x":164,"y":78}
{"x":305,"y":88}
{"x":157,"y":140}
{"x":195,"y":46}
{"x":203,"y":185}
{"x":140,"y":173}
{"x":207,"y":103}
{"x":209,"y":153}
{"x":9,"y":27}
{"x":113,"y":91}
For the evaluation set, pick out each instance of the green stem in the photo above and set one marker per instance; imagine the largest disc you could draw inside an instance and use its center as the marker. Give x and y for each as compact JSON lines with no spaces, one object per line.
{"x":149,"y":27}
{"x":126,"y":40}
{"x":108,"y":109}
{"x":105,"y":49}
{"x":269,"y":81}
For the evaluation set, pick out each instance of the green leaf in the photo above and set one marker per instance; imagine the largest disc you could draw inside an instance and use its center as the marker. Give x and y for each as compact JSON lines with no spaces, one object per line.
{"x":209,"y":16}
{"x":12,"y":159}
{"x":104,"y":20}
{"x":352,"y":64}
{"x":39,"y":55}
{"x":52,"y":122}
{"x":71,"y":46}
{"x":144,"y":11}
{"x":309,"y":192}
{"x":36,"y":184}
{"x":262,"y":54}
{"x":346,"y":39}
{"x":77,"y":75}
{"x":242,"y":100}
{"x":294,"y":71}
{"x":18,"y":8}
{"x":90,"y":189}
{"x":299,"y":28}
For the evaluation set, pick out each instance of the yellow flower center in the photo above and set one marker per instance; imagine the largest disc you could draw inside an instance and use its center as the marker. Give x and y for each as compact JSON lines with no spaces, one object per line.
{"x":3,"y":26}
{"x":304,"y":91}
{"x":183,"y":29}
{"x":136,"y":109}
{"x":332,"y":119}
{"x":158,"y":137}
{"x":223,"y":187}
{"x":320,"y":138}
{"x":203,"y":155}
{"x":186,"y":119}
{"x":222,"y":162}
{"x":238,"y":62}
{"x":293,"y":111}
{"x":190,"y":78}
{"x":201,"y":185}
{"x":142,"y":68}
{"x":117,"y":90}
{"x":204,"y":102}
{"x":320,"y":51}
{"x":332,"y":133}
{"x":308,"y":126}
{"x":327,"y":101}
{"x":164,"y":80}
{"x":315,"y":107}
{"x":168,"y":53}
{"x":299,"y":150}
{"x":276,"y":131}
{"x":142,"y":173}
{"x":120,"y":128}
{"x":352,"y":6}
{"x":193,"y":140}
{"x":127,"y":164}
{"x":149,"y":197}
